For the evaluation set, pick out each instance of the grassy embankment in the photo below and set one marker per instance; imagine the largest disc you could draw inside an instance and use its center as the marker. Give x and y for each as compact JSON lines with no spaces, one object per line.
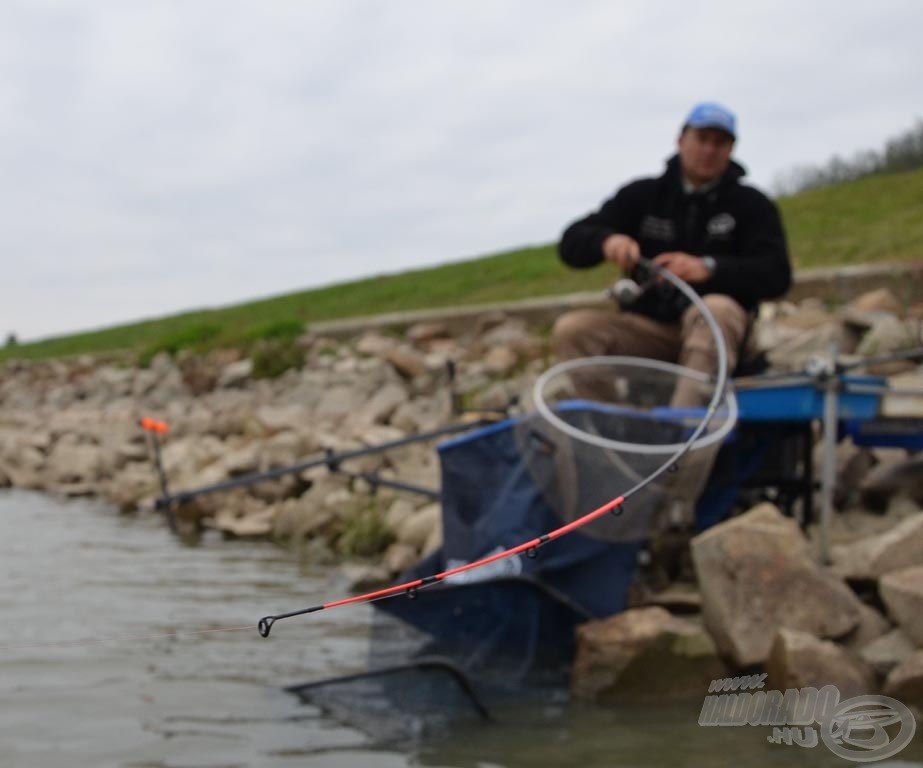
{"x":873,"y":219}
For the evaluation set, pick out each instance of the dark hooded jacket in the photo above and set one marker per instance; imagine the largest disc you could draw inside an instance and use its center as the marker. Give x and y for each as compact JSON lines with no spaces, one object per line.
{"x":735,"y":224}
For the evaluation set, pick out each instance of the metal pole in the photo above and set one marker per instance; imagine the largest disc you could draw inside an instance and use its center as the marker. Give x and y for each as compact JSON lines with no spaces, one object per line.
{"x":831,"y":384}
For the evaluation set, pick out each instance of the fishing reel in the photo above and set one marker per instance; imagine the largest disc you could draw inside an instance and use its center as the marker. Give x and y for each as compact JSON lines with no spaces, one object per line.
{"x":626,"y":291}
{"x":646,"y":283}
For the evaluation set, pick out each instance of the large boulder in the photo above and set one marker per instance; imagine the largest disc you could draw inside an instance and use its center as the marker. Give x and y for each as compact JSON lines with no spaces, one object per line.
{"x":800,"y":660}
{"x":643,"y":653}
{"x":756,"y":574}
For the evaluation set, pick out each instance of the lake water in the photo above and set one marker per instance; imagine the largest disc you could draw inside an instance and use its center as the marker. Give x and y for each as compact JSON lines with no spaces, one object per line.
{"x":74,"y":571}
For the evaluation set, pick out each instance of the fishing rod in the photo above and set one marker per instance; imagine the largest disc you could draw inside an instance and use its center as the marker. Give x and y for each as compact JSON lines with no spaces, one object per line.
{"x":530,"y":548}
{"x":153,"y":428}
{"x":330,"y":459}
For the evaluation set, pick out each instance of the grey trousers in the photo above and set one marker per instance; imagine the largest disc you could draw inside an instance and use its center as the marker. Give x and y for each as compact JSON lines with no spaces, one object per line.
{"x":591,"y":332}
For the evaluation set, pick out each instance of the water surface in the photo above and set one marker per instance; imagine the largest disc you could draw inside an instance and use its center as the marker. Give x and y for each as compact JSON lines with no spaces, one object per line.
{"x":77,"y":570}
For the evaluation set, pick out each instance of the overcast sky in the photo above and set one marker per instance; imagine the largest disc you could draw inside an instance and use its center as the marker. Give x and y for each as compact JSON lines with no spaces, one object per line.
{"x":160,"y":156}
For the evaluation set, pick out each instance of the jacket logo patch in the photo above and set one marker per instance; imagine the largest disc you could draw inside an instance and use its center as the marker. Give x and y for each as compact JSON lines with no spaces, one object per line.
{"x":657,"y":229}
{"x":721,"y":224}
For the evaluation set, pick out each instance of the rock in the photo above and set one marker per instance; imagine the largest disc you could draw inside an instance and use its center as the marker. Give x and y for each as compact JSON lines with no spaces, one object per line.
{"x":373,"y":343}
{"x":417,"y":527}
{"x":71,"y":461}
{"x":852,"y":465}
{"x":676,"y":598}
{"x":879,"y":300}
{"x":416,"y":464}
{"x":73,"y":488}
{"x":273,"y":419}
{"x":342,"y":502}
{"x":498,"y":396}
{"x":902,"y":593}
{"x":500,"y":360}
{"x":131,"y":450}
{"x":397,"y":513}
{"x":643,"y":654}
{"x":793,"y":354}
{"x":439,"y":352}
{"x":338,"y":401}
{"x":399,"y":557}
{"x":806,"y":317}
{"x":800,"y":660}
{"x":134,"y":482}
{"x":893,"y":478}
{"x":886,"y":652}
{"x":756,"y":574}
{"x":283,"y":449}
{"x":382,"y":404}
{"x":421,"y":414}
{"x":22,"y":477}
{"x":421,"y":333}
{"x":489,"y":320}
{"x":236,"y":374}
{"x":872,"y":625}
{"x":379,"y":434}
{"x":346,"y":365}
{"x":905,"y":682}
{"x":278,"y":489}
{"x":406,"y":361}
{"x":186,"y":455}
{"x":869,"y":558}
{"x":253,"y":525}
{"x":889,"y":334}
{"x":18,"y":453}
{"x":300,"y":518}
{"x":509,"y":333}
{"x":360,"y":577}
{"x":240,"y":461}
{"x":433,"y":540}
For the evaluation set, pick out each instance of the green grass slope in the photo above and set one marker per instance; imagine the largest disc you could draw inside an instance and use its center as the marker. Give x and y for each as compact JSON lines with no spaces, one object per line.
{"x":877,"y":218}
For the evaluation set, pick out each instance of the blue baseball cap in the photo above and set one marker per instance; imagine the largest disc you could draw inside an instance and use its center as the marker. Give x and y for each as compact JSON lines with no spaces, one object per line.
{"x":710,"y":114}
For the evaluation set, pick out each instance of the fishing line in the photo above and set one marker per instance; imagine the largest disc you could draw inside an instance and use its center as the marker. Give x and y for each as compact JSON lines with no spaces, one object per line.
{"x":615,"y":506}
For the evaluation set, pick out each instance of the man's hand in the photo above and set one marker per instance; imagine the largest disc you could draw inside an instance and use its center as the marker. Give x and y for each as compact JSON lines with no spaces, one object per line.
{"x":621,"y":250}
{"x":684,"y":265}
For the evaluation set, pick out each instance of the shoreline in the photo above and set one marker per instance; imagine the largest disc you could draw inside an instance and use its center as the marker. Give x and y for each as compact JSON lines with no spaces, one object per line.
{"x":71,"y":427}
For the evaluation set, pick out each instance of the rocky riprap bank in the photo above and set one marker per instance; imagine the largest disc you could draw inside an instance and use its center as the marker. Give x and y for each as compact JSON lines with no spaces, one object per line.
{"x":746,"y":595}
